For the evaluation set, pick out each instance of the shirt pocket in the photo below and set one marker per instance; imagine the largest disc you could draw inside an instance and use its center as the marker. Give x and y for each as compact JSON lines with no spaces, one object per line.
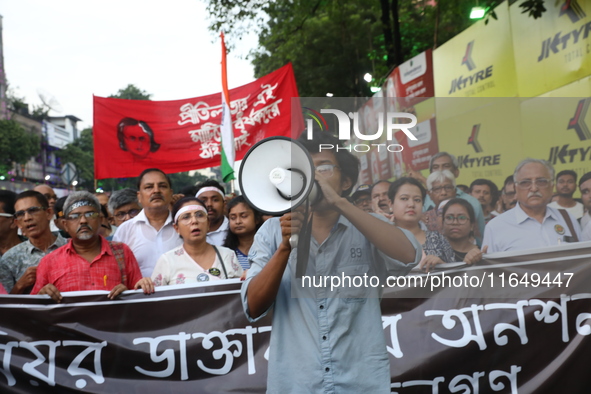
{"x":355,"y":283}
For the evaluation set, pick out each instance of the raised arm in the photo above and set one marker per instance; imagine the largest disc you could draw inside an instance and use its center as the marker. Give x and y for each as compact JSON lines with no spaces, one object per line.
{"x":262,"y":288}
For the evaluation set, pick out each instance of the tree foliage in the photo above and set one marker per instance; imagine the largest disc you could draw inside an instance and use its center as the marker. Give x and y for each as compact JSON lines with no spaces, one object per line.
{"x":132,"y":92}
{"x":333,"y":43}
{"x":80,"y":153}
{"x":16,"y":145}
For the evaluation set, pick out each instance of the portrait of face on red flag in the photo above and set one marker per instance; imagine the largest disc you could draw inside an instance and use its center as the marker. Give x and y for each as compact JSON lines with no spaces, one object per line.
{"x":183,"y":135}
{"x":136,"y":137}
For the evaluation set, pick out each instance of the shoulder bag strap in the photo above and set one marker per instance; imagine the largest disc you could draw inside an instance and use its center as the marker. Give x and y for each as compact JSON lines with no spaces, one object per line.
{"x":221,"y":261}
{"x":119,"y":254}
{"x":569,"y":223}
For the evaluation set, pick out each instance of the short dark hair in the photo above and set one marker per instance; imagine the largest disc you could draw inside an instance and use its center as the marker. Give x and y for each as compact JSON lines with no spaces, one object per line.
{"x":494,"y":190}
{"x":41,"y":199}
{"x":585,"y":178}
{"x":209,"y":183}
{"x":348,"y":162}
{"x":123,"y":123}
{"x":462,"y":202}
{"x":232,"y":239}
{"x":398,"y":183}
{"x":508,"y":180}
{"x":189,"y":190}
{"x":179,"y":204}
{"x":144,"y":172}
{"x":567,"y":172}
{"x":59,"y":206}
{"x":7,"y":200}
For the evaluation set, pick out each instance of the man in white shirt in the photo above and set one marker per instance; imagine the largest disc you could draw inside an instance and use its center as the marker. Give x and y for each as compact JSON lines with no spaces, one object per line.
{"x":212,"y":194}
{"x":532,"y":223}
{"x":150,"y":234}
{"x":566,"y":184}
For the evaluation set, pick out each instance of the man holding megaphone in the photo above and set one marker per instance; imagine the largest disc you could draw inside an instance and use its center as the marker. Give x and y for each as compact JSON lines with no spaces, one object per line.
{"x":327,"y":327}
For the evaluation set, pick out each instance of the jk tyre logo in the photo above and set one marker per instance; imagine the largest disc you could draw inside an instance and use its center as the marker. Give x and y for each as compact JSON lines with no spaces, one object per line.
{"x":577,"y":123}
{"x":473,"y":140}
{"x":467,"y":60}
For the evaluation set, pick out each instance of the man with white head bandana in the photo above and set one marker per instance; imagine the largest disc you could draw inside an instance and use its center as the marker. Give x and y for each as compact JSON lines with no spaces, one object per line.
{"x":212,"y":194}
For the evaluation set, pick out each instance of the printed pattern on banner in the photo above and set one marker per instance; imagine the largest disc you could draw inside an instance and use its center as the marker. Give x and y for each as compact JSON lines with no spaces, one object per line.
{"x":183,"y":135}
{"x":491,"y":320}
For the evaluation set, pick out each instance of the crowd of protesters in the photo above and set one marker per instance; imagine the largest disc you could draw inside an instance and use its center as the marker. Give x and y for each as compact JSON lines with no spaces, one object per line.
{"x":138,"y":238}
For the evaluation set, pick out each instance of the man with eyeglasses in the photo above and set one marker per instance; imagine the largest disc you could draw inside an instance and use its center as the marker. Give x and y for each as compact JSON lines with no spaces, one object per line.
{"x":123,"y":205}
{"x":151,"y":233}
{"x":18,"y":266}
{"x":532,"y":223}
{"x":566,"y":185}
{"x":316,"y":330}
{"x":88,"y":261}
{"x":361,"y":198}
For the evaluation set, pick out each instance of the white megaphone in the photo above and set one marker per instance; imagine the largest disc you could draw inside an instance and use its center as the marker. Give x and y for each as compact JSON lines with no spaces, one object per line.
{"x":277,"y":176}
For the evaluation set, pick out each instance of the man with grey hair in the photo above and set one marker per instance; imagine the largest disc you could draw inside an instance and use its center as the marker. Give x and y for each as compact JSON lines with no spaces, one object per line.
{"x":439,"y":162}
{"x":532,"y":223}
{"x":441,"y":185}
{"x":123,"y":205}
{"x":88,"y":261}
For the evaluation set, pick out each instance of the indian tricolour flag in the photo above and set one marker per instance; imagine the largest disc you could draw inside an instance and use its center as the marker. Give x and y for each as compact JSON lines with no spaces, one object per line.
{"x":227,"y":132}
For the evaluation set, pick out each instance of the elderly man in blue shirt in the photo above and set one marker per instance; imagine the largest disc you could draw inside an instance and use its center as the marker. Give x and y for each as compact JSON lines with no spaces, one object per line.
{"x":532,"y":223}
{"x":327,"y":339}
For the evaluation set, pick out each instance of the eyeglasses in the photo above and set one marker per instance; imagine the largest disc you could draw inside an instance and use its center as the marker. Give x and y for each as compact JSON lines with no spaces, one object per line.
{"x":509,"y":194}
{"x":122,"y":214}
{"x":78,"y":216}
{"x":438,"y":189}
{"x":50,"y":196}
{"x":527,"y":183}
{"x":461,"y":219}
{"x":363,"y":200}
{"x":199,"y":216}
{"x":326,"y":170}
{"x":19,"y":215}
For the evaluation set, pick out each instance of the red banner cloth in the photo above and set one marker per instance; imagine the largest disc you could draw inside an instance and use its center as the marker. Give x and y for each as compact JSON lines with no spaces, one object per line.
{"x":184,"y":135}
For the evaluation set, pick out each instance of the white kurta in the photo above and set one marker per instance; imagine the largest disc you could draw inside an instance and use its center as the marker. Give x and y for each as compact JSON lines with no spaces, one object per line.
{"x":176,"y":267}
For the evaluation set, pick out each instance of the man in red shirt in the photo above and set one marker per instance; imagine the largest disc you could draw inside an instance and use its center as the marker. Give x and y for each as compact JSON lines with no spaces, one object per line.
{"x":88,"y":261}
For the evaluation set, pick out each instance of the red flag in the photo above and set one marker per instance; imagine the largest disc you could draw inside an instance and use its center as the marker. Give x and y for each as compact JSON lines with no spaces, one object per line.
{"x":184,"y":135}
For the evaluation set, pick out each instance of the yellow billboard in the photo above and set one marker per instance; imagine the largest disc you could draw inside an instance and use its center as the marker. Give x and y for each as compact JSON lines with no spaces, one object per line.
{"x":554,"y":50}
{"x":477,"y":62}
{"x":485,"y":140}
{"x":558,"y":130}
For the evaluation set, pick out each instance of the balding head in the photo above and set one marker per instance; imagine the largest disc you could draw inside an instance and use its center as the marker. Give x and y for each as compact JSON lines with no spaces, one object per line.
{"x":48,"y":193}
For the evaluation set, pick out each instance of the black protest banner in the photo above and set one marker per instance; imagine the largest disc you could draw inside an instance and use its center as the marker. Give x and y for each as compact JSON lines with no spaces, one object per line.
{"x":518,"y":330}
